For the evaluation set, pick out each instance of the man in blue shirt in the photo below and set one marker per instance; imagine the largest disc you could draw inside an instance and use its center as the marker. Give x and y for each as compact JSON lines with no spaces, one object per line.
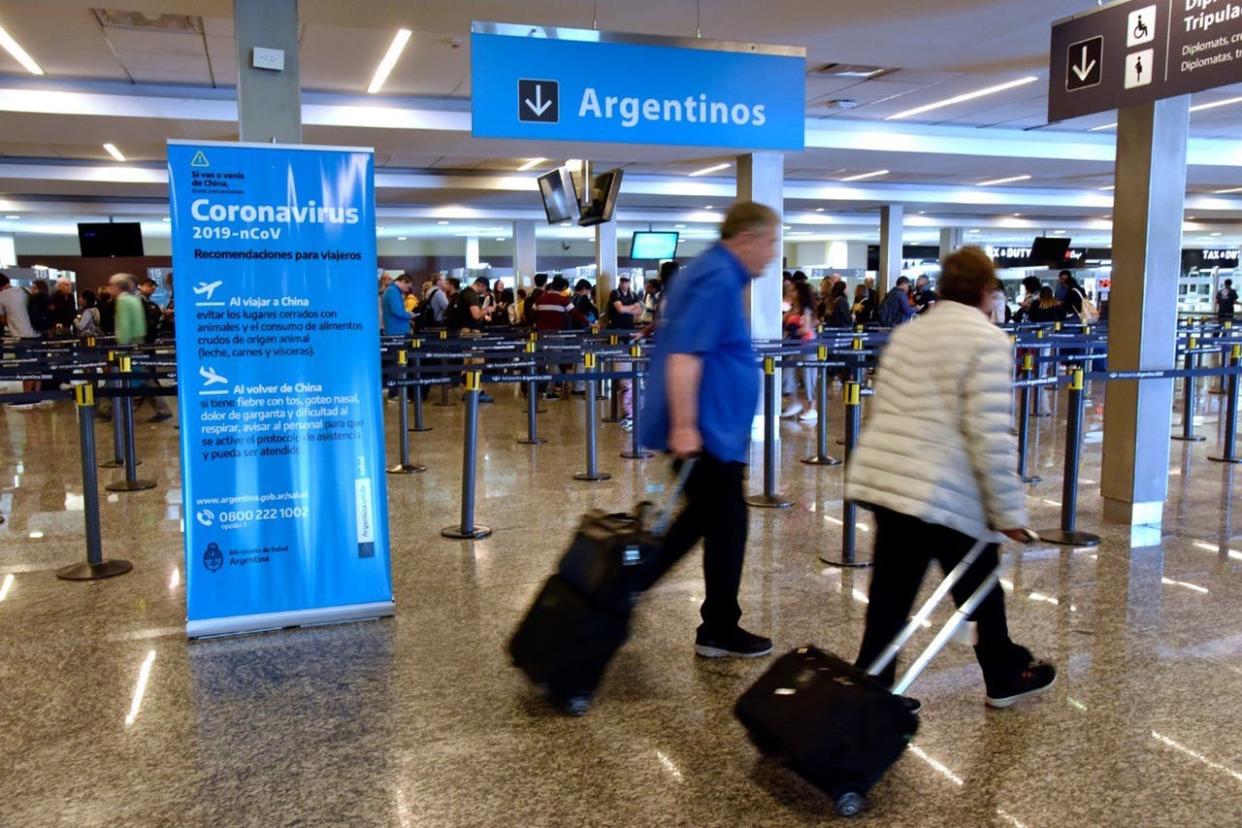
{"x":396,"y":318}
{"x":702,"y":397}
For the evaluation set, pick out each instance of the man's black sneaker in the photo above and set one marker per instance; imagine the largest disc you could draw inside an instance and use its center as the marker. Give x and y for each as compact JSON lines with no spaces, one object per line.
{"x":1032,"y":680}
{"x":735,"y":643}
{"x":485,"y":397}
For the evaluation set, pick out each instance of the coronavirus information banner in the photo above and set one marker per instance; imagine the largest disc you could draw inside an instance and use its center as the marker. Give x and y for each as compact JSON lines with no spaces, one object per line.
{"x":279,"y":386}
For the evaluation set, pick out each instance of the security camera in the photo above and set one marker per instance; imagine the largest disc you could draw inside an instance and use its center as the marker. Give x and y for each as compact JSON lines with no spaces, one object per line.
{"x":455,"y":42}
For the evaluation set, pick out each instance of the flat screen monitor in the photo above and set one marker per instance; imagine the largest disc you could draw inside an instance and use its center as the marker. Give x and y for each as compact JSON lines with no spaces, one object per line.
{"x":560,"y":199}
{"x":109,"y":239}
{"x":1050,"y":251}
{"x":654,"y":245}
{"x":604,"y":190}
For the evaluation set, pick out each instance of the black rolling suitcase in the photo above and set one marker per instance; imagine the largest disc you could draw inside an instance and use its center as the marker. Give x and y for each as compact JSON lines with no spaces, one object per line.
{"x":580,"y":617}
{"x":835,"y":724}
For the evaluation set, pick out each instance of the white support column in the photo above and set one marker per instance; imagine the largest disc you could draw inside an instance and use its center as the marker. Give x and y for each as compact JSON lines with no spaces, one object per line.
{"x":269,"y":103}
{"x":605,"y":262}
{"x":523,"y":254}
{"x":472,"y":251}
{"x":950,"y":240}
{"x":761,"y":178}
{"x":8,"y":250}
{"x":891,"y":217}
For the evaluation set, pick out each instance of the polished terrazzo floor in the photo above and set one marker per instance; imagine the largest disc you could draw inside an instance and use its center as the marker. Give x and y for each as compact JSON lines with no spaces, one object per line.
{"x":419,"y":720}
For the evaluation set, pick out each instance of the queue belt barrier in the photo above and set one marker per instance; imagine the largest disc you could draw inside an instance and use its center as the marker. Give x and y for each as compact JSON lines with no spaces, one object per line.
{"x":403,"y":425}
{"x":590,"y":406}
{"x":769,"y":499}
{"x":1230,"y":454}
{"x":849,"y":509}
{"x":124,"y":412}
{"x":1192,"y":355}
{"x":1068,"y":534}
{"x":636,"y":450}
{"x":95,"y":567}
{"x":468,"y":529}
{"x":821,"y":456}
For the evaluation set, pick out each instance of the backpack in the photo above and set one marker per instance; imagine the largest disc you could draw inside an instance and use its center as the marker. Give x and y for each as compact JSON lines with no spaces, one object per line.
{"x":424,"y":315}
{"x":154,"y":317}
{"x":1090,"y":313}
{"x":889,"y":315}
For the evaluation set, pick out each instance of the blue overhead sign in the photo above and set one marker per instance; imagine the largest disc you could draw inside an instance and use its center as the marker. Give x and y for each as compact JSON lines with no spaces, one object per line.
{"x":534,"y":82}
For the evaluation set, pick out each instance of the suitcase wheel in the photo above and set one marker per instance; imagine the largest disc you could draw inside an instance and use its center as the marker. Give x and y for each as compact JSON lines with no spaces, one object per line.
{"x":574,"y":705}
{"x":851,"y":804}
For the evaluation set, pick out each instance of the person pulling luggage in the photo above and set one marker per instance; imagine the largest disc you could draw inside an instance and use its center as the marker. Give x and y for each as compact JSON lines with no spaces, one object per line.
{"x":703,"y":393}
{"x":948,"y":377}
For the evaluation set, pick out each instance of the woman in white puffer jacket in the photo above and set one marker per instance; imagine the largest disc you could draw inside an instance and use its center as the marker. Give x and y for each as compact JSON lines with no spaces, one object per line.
{"x":936,"y":464}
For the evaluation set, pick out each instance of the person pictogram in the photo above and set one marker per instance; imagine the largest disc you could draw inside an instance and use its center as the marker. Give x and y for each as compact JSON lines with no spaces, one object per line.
{"x":1138,"y":68}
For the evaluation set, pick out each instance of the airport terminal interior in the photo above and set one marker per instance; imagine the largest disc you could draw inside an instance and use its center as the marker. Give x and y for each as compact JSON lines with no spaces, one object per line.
{"x":290,"y":571}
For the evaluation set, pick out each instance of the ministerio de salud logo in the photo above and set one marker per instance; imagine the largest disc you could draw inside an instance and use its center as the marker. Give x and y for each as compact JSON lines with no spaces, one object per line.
{"x":213,"y":558}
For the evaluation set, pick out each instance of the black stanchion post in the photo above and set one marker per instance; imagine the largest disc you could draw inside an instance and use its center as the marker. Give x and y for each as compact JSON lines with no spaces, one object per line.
{"x":403,"y":422}
{"x":467,"y":530}
{"x":592,"y":473}
{"x":1188,"y":396}
{"x":1068,"y":535}
{"x":419,"y":424}
{"x":1024,"y":420}
{"x":118,"y":427}
{"x":1036,"y":394}
{"x":636,"y":451}
{"x":124,"y":407}
{"x":821,"y":456}
{"x":95,"y":566}
{"x":614,"y":409}
{"x":532,"y":401}
{"x":1230,"y":454}
{"x":849,"y":509}
{"x":1222,"y":333}
{"x":769,"y":499}
{"x":444,"y":401}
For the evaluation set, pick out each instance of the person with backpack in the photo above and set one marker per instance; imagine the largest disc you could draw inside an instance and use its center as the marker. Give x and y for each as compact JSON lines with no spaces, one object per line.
{"x":585,"y":304}
{"x":897,"y":309}
{"x":1226,"y":298}
{"x":154,"y":313}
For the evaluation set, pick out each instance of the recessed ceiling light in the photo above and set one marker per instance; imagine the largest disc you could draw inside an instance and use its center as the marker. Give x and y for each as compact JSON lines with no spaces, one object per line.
{"x":1103,"y":127}
{"x":17,"y":218}
{"x":531,"y":163}
{"x":1228,"y":191}
{"x":969,"y":96}
{"x":114,"y":152}
{"x":713,"y":168}
{"x":1192,"y":218}
{"x":441,"y":222}
{"x":974,"y":231}
{"x":389,"y":60}
{"x":819,"y":209}
{"x":500,"y":238}
{"x":922,"y":212}
{"x":403,"y":238}
{"x":1215,"y":104}
{"x":166,"y":219}
{"x":679,"y":226}
{"x":1058,"y":232}
{"x":1010,"y":180}
{"x":1109,"y":188}
{"x":708,"y":207}
{"x":19,"y":54}
{"x":861,"y":176}
{"x":1213,"y":234}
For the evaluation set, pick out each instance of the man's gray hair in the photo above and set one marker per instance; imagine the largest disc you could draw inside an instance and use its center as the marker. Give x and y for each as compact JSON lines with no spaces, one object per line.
{"x":125,"y":281}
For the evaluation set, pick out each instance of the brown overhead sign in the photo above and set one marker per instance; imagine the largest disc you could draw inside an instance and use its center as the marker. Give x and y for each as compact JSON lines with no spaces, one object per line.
{"x":1142,"y":50}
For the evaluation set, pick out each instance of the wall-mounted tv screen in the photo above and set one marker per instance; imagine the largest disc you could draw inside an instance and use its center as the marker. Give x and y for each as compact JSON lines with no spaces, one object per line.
{"x":560,"y":199}
{"x":1049,"y":251}
{"x":604,"y":190}
{"x":106,"y":240}
{"x":654,"y":245}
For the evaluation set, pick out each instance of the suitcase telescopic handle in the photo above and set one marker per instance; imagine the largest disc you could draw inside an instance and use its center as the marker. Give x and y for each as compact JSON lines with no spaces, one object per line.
{"x":920,"y":618}
{"x":664,"y":516}
{"x":946,"y":632}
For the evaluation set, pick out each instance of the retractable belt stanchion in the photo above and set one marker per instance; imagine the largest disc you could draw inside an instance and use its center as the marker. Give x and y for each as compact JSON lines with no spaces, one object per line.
{"x":1067,"y":535}
{"x":1231,"y":412}
{"x":444,"y":400}
{"x":1225,"y":327}
{"x":419,"y":425}
{"x":118,"y":427}
{"x":1036,"y":396}
{"x":849,"y":509}
{"x":769,"y":499}
{"x":95,"y":566}
{"x":636,"y":451}
{"x":403,"y":422}
{"x":124,"y":407}
{"x":592,"y":473}
{"x":1188,"y":395}
{"x":855,"y":372}
{"x":532,"y":401}
{"x":467,"y":530}
{"x":821,"y":456}
{"x":614,"y":393}
{"x":1024,"y":420}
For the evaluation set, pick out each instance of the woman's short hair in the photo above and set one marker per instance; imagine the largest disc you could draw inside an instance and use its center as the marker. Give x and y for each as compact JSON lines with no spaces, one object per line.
{"x":966,"y":275}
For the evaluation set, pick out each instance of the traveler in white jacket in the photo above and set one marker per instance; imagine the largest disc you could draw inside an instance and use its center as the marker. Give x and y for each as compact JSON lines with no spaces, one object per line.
{"x":945,"y":377}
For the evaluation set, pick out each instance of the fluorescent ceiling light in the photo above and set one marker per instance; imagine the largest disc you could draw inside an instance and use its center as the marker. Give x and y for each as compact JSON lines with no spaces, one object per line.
{"x":969,"y":96}
{"x":13,"y":218}
{"x":501,"y":238}
{"x":441,"y":222}
{"x":1214,"y":234}
{"x":819,"y":209}
{"x":1215,"y":104}
{"x":114,"y":152}
{"x":1228,"y":191}
{"x":19,"y":54}
{"x":1109,"y":187}
{"x":166,"y":219}
{"x":402,"y":238}
{"x":1058,"y":232}
{"x":1103,"y":127}
{"x":389,"y":60}
{"x":861,"y":176}
{"x":708,"y":207}
{"x":1010,"y":180}
{"x":532,"y":163}
{"x":713,"y":168}
{"x":679,"y":226}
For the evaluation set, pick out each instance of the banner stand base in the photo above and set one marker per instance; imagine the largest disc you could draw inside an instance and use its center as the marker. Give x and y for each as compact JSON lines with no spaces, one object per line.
{"x":239,"y":624}
{"x":126,"y":486}
{"x":458,"y":533}
{"x":93,"y":572}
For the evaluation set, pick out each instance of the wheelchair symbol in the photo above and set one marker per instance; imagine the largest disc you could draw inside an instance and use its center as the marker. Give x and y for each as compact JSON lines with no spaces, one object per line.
{"x":1140,"y":30}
